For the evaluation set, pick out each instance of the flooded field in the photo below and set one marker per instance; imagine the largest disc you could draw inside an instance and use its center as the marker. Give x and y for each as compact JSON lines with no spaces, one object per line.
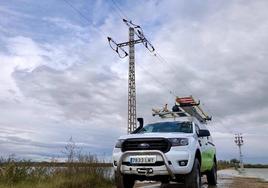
{"x":261,"y":173}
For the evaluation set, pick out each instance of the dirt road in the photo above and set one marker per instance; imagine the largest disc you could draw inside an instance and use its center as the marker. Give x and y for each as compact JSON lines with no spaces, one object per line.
{"x":223,"y":182}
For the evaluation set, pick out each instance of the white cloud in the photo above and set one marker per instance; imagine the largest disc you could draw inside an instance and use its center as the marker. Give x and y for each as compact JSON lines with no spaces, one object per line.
{"x":74,"y":85}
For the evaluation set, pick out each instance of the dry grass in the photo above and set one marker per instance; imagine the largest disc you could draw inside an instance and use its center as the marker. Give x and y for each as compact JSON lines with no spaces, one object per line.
{"x":19,"y":174}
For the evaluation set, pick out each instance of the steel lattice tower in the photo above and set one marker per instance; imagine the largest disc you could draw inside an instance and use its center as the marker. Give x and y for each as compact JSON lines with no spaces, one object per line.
{"x":118,"y":48}
{"x":239,"y":142}
{"x":132,"y":122}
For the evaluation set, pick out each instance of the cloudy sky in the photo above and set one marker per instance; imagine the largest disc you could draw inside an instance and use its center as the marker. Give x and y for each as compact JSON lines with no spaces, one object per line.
{"x":59,"y":78}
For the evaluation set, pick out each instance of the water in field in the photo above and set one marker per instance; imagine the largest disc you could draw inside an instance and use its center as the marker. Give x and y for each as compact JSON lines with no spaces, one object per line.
{"x":261,"y":173}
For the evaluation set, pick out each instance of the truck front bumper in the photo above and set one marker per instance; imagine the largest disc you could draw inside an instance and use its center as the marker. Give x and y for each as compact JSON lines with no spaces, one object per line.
{"x":170,"y":162}
{"x":165,"y":169}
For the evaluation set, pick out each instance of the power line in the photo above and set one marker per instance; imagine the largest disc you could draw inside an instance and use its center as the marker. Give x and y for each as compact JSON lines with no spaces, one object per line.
{"x":82,"y":15}
{"x":157,"y":81}
{"x":121,"y":12}
{"x":163,"y":60}
{"x":157,"y":55}
{"x":121,"y":15}
{"x":76,"y":10}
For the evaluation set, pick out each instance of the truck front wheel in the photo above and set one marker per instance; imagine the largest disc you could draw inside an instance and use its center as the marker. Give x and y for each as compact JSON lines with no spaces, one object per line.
{"x":193,"y":180}
{"x":124,"y":181}
{"x":212,"y":175}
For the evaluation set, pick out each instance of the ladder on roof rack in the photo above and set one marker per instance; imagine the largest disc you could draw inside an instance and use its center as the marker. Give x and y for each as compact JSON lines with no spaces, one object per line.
{"x":184,"y":107}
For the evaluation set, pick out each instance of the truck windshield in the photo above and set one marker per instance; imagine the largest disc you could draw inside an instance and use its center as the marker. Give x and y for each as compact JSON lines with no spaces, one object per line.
{"x":168,"y":127}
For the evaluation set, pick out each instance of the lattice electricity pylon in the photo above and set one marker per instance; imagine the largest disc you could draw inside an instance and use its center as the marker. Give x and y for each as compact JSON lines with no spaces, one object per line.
{"x":118,"y":48}
{"x":239,"y":142}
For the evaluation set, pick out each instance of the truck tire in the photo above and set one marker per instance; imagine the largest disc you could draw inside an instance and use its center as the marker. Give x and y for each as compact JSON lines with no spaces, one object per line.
{"x":193,"y":180}
{"x":124,"y":181}
{"x":212,"y":175}
{"x":164,"y":185}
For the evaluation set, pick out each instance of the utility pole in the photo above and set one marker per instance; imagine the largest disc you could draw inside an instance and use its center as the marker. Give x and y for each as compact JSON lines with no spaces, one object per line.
{"x":118,"y":48}
{"x":239,"y":142}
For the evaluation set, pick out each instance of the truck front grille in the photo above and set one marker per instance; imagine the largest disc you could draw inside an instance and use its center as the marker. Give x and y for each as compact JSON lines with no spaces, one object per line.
{"x":136,"y":144}
{"x":157,"y":163}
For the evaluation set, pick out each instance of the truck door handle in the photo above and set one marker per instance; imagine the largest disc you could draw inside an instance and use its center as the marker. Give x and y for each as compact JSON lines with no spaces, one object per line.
{"x":200,"y":142}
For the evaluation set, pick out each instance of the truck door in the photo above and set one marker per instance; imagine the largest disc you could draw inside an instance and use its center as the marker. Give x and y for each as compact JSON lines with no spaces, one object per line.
{"x":205,"y":151}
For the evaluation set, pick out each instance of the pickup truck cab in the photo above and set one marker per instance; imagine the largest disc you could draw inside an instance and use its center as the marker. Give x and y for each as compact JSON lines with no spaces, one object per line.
{"x":180,"y":150}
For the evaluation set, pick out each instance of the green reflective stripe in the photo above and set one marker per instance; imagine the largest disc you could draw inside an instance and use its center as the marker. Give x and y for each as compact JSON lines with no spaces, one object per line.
{"x":207,"y":159}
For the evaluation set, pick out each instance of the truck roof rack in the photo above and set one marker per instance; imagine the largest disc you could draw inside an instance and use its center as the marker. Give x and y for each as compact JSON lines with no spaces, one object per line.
{"x":184,"y":107}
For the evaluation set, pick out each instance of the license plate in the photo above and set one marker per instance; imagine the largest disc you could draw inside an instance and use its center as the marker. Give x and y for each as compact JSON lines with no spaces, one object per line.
{"x":143,"y":159}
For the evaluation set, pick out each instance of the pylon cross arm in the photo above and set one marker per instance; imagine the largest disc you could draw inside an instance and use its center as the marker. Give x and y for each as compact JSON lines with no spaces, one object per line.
{"x":130,"y":42}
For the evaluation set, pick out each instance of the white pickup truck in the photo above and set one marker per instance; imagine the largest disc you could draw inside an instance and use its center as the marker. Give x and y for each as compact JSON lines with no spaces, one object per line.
{"x":178,"y":150}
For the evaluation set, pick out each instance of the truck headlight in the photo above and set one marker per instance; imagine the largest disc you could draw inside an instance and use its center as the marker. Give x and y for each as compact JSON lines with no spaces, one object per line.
{"x":119,"y":143}
{"x":179,"y":141}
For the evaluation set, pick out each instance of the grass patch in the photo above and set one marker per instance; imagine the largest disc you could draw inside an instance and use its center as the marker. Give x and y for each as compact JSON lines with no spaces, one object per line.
{"x":21,"y":174}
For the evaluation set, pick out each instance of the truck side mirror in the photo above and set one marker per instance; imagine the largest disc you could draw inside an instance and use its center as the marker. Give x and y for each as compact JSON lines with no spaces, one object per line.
{"x":203,"y":133}
{"x":141,"y":122}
